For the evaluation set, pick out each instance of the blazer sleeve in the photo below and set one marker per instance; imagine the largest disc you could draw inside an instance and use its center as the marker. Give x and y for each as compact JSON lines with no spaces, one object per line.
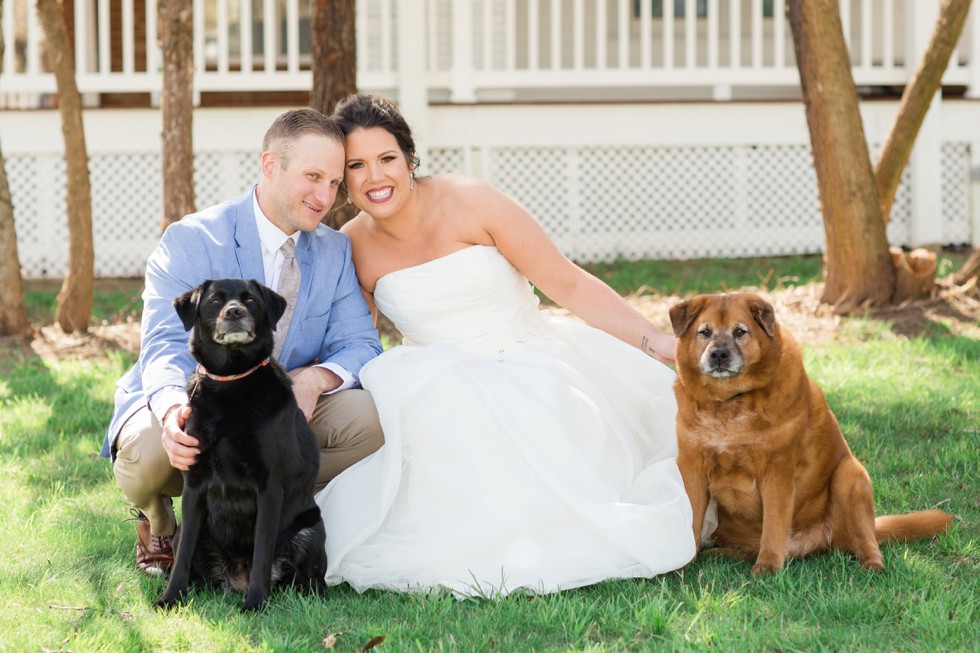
{"x":179,"y":263}
{"x":350,"y":339}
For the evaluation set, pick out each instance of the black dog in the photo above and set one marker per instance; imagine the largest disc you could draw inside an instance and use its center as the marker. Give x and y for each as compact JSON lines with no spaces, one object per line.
{"x":249,"y":519}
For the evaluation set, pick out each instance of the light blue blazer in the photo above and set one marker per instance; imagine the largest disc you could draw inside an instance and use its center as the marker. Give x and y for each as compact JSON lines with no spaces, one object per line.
{"x":331,"y":321}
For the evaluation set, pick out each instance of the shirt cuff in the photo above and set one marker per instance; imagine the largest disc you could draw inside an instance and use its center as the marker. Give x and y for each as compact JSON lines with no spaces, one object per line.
{"x":347,"y":379}
{"x":163,"y":400}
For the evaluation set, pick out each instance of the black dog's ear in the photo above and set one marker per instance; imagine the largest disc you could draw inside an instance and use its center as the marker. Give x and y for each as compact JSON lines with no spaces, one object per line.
{"x":275,"y":304}
{"x":187,"y":305}
{"x":763,"y":315}
{"x":683,"y":314}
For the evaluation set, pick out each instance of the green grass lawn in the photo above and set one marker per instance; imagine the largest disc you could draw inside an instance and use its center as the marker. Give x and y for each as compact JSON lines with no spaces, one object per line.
{"x":910,"y":409}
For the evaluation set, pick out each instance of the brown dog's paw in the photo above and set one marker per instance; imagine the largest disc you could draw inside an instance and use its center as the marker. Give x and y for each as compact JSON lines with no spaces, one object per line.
{"x":764,"y":570}
{"x":873,"y":565}
{"x":767,"y":563}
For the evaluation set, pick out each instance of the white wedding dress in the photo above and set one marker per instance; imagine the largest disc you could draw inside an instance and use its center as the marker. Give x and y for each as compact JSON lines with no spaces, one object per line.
{"x":522,"y":450}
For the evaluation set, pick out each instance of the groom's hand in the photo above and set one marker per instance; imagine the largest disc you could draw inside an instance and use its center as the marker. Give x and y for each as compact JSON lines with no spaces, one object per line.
{"x":182,"y":449}
{"x":309,"y":383}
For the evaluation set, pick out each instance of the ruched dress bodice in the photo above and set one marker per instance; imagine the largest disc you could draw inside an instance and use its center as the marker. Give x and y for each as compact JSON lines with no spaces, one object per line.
{"x":473,"y":299}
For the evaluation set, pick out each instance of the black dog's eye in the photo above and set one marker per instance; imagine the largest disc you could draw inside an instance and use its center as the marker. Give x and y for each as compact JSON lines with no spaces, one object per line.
{"x":739,"y":332}
{"x":217,"y":301}
{"x":249,"y":300}
{"x":704,"y":331}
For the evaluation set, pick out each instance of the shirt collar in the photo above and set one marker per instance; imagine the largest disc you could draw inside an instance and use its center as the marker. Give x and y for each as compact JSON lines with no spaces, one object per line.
{"x":271,"y":236}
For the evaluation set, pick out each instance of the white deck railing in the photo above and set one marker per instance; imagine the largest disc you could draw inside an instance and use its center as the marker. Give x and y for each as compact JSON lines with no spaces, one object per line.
{"x":471,"y":50}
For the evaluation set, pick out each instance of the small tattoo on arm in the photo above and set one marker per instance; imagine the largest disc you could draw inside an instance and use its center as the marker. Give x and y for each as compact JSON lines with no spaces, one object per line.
{"x":646,"y":347}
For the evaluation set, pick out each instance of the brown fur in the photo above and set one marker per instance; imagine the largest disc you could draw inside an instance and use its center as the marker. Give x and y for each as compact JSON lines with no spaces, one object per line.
{"x":765,"y":445}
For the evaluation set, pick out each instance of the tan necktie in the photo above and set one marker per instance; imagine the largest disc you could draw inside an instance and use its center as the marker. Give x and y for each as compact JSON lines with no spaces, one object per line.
{"x":289,"y":289}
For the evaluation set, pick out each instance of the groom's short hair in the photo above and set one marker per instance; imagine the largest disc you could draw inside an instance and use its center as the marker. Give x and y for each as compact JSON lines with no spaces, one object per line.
{"x":292,"y":125}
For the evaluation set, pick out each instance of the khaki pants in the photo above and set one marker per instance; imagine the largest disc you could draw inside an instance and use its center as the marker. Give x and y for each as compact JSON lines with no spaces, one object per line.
{"x":345,"y":424}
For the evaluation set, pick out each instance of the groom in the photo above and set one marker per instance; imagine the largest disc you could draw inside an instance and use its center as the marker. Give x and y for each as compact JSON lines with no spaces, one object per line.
{"x":273,"y":229}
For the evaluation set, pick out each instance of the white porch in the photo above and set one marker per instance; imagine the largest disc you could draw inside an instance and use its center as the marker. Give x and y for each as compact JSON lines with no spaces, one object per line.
{"x":485,"y":50}
{"x":632,"y":128}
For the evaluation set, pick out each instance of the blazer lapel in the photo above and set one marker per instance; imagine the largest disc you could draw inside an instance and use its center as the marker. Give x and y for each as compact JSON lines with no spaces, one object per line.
{"x":248,"y":246}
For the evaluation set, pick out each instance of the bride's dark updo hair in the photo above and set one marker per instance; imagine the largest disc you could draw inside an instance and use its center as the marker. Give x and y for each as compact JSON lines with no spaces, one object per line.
{"x":364,"y":111}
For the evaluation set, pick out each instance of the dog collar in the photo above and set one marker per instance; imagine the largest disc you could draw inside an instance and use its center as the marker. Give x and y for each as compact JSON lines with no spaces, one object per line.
{"x":230,"y":377}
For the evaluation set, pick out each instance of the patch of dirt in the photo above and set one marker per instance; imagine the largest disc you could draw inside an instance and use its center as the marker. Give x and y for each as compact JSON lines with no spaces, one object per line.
{"x":52,"y":342}
{"x":951,"y":309}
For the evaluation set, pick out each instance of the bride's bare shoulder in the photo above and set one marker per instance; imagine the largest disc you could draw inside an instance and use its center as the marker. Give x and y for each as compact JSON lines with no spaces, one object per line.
{"x":460,"y":189}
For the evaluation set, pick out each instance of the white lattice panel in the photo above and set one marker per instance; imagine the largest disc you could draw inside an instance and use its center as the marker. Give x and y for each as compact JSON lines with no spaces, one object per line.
{"x":127,"y":211}
{"x":37,"y":189}
{"x":604,"y":203}
{"x":956,"y":204}
{"x":598,"y":203}
{"x":783,"y":206}
{"x":220,"y":176}
{"x":539,"y":179}
{"x":655,"y":202}
{"x":442,"y":160}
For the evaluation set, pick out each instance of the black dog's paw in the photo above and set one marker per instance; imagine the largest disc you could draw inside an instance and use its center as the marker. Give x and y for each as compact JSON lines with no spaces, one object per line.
{"x":254,"y":599}
{"x":168,"y":602}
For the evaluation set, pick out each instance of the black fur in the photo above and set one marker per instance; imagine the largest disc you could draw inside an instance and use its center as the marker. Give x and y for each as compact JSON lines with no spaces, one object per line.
{"x":249,"y":519}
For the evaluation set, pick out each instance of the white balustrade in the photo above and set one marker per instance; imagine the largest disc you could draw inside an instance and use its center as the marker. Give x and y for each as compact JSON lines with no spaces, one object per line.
{"x":474,"y":50}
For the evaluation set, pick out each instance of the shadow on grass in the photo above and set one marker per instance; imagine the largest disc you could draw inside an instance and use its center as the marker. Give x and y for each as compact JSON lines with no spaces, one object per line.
{"x":61,"y":447}
{"x":924,"y":319}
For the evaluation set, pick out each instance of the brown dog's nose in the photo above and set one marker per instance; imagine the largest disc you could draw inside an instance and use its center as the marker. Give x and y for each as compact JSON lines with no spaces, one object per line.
{"x":719,"y":356}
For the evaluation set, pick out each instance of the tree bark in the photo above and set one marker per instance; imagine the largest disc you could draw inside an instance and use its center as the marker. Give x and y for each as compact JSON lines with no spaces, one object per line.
{"x":176,"y":34}
{"x":334,"y":52}
{"x":970,"y":269}
{"x":916,"y":99}
{"x":75,"y":299}
{"x":859,"y":268}
{"x":13,"y":313}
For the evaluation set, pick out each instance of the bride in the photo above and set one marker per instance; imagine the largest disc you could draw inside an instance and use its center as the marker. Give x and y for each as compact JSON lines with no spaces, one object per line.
{"x":522,"y":450}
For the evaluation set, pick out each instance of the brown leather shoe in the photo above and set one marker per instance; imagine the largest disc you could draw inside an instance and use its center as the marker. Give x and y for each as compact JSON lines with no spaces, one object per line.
{"x":154,"y":553}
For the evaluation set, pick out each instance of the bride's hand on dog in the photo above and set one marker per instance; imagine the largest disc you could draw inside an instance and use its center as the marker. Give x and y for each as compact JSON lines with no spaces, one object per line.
{"x":181,"y":448}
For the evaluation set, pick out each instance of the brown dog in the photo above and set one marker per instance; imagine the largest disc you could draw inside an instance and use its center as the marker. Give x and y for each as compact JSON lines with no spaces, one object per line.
{"x":756,"y":435}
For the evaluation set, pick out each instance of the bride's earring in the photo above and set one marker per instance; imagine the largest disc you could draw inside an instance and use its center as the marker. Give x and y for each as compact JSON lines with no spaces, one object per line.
{"x":411,"y":186}
{"x":348,"y":200}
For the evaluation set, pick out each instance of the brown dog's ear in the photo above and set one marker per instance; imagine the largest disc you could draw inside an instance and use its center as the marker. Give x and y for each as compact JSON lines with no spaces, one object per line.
{"x":187,"y":304}
{"x":683,"y":314}
{"x":275,"y":304}
{"x":764,"y":315}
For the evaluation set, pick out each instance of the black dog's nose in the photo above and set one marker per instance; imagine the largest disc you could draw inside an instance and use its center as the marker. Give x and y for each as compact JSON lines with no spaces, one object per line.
{"x":233,"y":312}
{"x":719,"y":356}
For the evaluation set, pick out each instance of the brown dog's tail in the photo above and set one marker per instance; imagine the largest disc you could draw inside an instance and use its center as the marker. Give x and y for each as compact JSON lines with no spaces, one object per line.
{"x":911,"y":526}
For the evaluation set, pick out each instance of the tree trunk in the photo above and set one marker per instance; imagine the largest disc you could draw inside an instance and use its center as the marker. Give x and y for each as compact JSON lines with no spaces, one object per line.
{"x":13,"y":314}
{"x":970,"y":270}
{"x":334,"y":54}
{"x":176,"y":34}
{"x":75,"y":298}
{"x":916,"y":100}
{"x":859,"y":268}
